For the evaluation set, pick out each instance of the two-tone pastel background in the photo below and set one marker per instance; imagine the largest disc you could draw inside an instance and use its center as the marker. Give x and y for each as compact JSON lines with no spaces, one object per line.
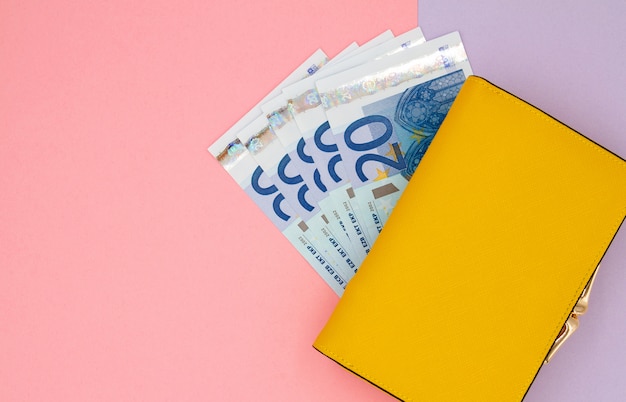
{"x":133,"y":268}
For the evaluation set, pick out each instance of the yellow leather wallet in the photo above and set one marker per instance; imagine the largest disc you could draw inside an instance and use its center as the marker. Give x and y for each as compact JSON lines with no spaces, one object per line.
{"x":482,"y":263}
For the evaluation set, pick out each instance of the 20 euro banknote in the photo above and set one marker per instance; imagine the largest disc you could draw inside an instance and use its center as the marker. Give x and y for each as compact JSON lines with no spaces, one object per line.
{"x":308,"y":113}
{"x":383,"y":116}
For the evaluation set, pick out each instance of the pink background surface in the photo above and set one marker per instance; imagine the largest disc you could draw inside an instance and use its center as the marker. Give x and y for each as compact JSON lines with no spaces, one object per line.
{"x":131,"y":266}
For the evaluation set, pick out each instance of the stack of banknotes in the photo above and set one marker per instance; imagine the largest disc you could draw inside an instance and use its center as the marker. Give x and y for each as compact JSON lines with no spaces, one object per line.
{"x":329,"y":151}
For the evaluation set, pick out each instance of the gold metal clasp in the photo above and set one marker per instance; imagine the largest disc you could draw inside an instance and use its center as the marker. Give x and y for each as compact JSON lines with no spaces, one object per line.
{"x":572,"y":323}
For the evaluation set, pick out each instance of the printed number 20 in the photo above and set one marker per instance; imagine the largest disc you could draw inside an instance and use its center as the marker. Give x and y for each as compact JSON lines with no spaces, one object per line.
{"x":397,"y":163}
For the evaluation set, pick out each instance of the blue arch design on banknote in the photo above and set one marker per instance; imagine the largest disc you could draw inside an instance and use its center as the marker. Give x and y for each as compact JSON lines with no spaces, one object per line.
{"x":278,"y":210}
{"x":302,"y":198}
{"x":282,"y":166}
{"x":318,"y":181}
{"x":301,"y":153}
{"x":321,"y":130}
{"x":255,"y":182}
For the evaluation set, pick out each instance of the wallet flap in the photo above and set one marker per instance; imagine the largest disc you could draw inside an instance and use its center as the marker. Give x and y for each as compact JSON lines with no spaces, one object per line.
{"x":484,"y":256}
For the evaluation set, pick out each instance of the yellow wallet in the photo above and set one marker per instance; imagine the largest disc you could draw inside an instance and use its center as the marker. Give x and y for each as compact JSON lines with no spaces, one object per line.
{"x":481,"y":265}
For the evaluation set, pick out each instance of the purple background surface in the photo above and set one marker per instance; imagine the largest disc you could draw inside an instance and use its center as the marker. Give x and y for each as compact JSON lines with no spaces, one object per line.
{"x":569,"y":59}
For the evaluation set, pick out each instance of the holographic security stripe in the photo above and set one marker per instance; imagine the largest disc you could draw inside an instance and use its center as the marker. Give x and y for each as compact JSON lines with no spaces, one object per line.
{"x":261,"y":139}
{"x":231,"y":154}
{"x":443,"y":58}
{"x":308,"y":100}
{"x":279,"y":118}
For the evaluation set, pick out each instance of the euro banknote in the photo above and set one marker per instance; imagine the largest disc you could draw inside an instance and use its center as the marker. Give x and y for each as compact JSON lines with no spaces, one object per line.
{"x":383,"y":115}
{"x":309,"y":114}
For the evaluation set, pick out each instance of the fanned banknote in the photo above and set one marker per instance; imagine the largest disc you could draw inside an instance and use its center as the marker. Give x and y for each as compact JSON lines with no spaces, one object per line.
{"x":302,"y":187}
{"x":284,"y":127}
{"x":282,"y":124}
{"x":383,"y":116}
{"x":308,"y":112}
